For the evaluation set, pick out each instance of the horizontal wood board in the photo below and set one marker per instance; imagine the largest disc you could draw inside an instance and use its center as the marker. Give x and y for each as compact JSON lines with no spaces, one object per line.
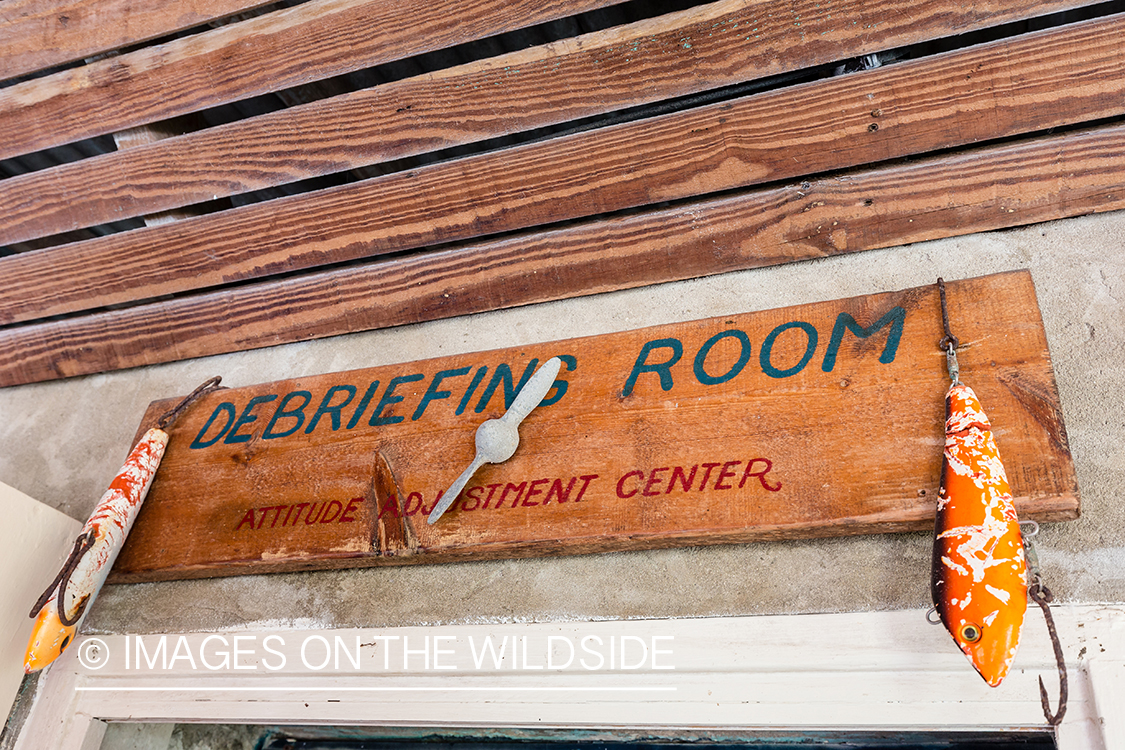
{"x":309,"y":42}
{"x":1044,"y":179}
{"x":1066,"y":75}
{"x":788,"y":435}
{"x":841,"y":122}
{"x":223,"y":282}
{"x":235,"y":62}
{"x":39,"y":34}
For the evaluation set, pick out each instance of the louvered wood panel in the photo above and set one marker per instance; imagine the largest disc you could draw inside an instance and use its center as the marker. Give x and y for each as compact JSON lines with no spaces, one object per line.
{"x":743,"y":111}
{"x":519,"y":91}
{"x":980,"y":94}
{"x":318,"y":39}
{"x":1044,"y":179}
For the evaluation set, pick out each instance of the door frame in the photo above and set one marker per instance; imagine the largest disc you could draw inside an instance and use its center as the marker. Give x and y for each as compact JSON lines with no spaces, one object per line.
{"x":799,"y":673}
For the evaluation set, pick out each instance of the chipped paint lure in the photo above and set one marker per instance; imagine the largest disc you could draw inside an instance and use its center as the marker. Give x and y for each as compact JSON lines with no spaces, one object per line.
{"x":979,"y":574}
{"x":983,"y":567}
{"x":61,"y":608}
{"x":979,"y":570}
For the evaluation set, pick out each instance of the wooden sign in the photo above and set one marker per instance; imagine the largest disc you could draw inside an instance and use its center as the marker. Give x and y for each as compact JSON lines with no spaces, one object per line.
{"x":816,"y":420}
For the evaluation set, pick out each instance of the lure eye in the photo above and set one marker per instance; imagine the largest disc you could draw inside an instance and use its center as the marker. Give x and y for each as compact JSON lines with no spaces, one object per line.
{"x":970,"y":633}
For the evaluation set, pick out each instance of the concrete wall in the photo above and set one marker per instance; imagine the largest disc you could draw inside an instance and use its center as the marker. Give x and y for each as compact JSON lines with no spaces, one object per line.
{"x":61,"y":442}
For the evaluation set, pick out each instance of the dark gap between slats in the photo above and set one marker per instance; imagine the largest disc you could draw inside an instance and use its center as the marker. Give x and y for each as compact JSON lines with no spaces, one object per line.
{"x":393,"y":71}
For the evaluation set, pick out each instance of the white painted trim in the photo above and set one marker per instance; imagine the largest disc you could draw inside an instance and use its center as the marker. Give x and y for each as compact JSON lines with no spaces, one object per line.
{"x":887,"y":670}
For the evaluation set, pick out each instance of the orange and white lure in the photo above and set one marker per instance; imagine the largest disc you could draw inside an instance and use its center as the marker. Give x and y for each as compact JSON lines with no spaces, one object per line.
{"x":61,"y":608}
{"x":979,"y":571}
{"x":982,"y":573}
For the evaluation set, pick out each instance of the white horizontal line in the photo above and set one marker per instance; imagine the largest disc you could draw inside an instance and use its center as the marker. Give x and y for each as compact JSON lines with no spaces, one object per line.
{"x":398,"y":689}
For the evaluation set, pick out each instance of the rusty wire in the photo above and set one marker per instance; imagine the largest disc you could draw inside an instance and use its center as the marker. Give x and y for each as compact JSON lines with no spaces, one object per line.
{"x":172,"y":414}
{"x":949,"y":342}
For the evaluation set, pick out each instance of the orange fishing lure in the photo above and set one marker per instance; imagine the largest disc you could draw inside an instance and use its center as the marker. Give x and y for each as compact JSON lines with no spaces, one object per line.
{"x":980,"y":576}
{"x":979,"y":572}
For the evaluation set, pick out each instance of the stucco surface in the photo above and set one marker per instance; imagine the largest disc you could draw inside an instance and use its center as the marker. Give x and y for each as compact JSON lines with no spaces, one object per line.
{"x":61,"y":442}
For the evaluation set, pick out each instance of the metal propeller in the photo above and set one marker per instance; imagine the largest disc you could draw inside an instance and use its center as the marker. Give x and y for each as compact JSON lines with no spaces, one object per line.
{"x":497,"y":438}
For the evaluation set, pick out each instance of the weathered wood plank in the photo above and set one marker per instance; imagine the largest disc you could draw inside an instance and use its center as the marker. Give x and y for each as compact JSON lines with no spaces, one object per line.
{"x":315,"y":40}
{"x":589,"y":75}
{"x":1042,"y":180}
{"x":727,"y":405}
{"x":39,"y":34}
{"x":146,"y":135}
{"x":974,"y":95}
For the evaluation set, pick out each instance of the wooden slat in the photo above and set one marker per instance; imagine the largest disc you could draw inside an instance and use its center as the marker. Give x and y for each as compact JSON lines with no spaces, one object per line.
{"x":592,"y":74}
{"x":229,"y":500}
{"x":315,"y":40}
{"x":977,"y":94}
{"x":39,"y":34}
{"x":1043,"y":179}
{"x":146,"y":135}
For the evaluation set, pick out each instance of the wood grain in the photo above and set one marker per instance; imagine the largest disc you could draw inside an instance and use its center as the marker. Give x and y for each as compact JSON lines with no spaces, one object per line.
{"x":546,"y":85}
{"x":39,"y":34}
{"x":146,"y":135}
{"x":844,"y":443}
{"x":1044,"y":179}
{"x":308,"y":42}
{"x":979,"y":94}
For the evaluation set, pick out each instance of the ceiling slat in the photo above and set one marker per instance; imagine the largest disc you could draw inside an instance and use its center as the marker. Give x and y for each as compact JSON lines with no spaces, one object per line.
{"x":545,"y":85}
{"x":977,"y":94}
{"x":1045,"y":178}
{"x":309,"y":42}
{"x":40,"y":34}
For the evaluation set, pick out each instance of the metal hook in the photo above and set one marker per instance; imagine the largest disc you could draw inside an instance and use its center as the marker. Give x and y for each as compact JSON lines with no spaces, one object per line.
{"x":929,"y":616}
{"x":1041,"y":595}
{"x":81,"y":545}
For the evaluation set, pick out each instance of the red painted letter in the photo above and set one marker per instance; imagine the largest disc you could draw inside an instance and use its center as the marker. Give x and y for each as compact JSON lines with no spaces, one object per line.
{"x":248,"y":518}
{"x":557,"y":491}
{"x":653,"y":478}
{"x":761,"y":475}
{"x":347,"y":517}
{"x":621,"y":484}
{"x":533,"y":490}
{"x":725,"y":473}
{"x":586,"y":479}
